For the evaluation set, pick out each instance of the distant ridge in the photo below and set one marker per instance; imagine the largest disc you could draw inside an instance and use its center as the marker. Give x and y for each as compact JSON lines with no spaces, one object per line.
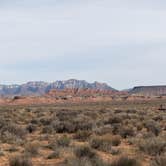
{"x":38,"y":88}
{"x":159,"y":90}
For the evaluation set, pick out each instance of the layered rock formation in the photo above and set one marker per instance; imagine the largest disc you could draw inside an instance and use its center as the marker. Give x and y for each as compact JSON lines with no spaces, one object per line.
{"x":149,"y":90}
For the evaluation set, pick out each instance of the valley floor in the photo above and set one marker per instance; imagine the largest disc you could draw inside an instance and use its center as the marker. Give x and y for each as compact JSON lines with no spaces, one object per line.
{"x":101,"y":133}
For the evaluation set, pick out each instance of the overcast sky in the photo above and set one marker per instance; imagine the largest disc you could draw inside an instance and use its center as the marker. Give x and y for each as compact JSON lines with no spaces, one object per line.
{"x":121,"y":42}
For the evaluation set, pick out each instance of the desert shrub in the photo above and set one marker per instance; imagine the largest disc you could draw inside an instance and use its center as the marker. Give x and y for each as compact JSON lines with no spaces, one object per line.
{"x":127,"y":131}
{"x":117,"y":111}
{"x":84,"y":151}
{"x":48,"y":130}
{"x":139,"y":126}
{"x":153,"y":146}
{"x":31,"y":128}
{"x":32,"y":149}
{"x":11,"y":133}
{"x":13,"y":129}
{"x":82,"y":135}
{"x":64,"y":127}
{"x":115,"y":151}
{"x":131,"y":111}
{"x":114,"y":120}
{"x":66,"y":115}
{"x":52,"y":145}
{"x":103,"y":130}
{"x":116,"y":128}
{"x":63,"y":141}
{"x":153,"y":127}
{"x":158,"y":118}
{"x":1,"y":152}
{"x":12,"y":149}
{"x":35,"y":121}
{"x":54,"y":155}
{"x":45,"y":121}
{"x":103,"y":143}
{"x":20,"y":160}
{"x":115,"y":140}
{"x":159,"y":161}
{"x":85,"y":162}
{"x":83,"y":124}
{"x":72,"y":126}
{"x":125,"y":161}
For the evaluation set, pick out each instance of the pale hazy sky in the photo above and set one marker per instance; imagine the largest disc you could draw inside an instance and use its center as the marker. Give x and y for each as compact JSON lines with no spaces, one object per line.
{"x":121,"y":42}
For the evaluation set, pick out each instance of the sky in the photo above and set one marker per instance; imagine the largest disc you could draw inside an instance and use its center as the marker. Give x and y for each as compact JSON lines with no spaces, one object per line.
{"x":122,"y":42}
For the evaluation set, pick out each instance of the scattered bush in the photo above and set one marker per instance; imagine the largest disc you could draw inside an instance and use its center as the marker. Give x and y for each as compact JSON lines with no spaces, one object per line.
{"x":20,"y":160}
{"x":159,"y":161}
{"x":152,"y":146}
{"x":63,"y":141}
{"x":85,"y":162}
{"x":103,"y":143}
{"x":82,"y":135}
{"x":153,"y":127}
{"x":116,"y":140}
{"x":32,"y":149}
{"x":31,"y":128}
{"x":114,"y":120}
{"x":54,"y":155}
{"x":125,"y":161}
{"x":127,"y":131}
{"x":84,"y":151}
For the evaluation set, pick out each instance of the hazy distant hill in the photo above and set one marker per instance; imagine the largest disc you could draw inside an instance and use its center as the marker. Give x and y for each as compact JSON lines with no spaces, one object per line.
{"x":149,"y":90}
{"x":40,"y":88}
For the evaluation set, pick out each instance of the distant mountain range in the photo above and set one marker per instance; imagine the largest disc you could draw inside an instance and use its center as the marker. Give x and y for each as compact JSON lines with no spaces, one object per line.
{"x":41,"y":88}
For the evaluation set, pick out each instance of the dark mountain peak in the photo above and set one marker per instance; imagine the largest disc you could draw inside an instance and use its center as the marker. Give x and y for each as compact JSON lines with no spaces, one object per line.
{"x":40,"y":88}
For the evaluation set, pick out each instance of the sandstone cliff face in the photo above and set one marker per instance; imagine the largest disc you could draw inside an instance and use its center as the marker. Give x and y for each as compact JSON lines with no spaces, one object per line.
{"x":149,"y":90}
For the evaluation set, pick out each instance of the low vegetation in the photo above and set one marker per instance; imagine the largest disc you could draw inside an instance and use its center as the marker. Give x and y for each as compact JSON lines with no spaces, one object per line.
{"x":92,"y":134}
